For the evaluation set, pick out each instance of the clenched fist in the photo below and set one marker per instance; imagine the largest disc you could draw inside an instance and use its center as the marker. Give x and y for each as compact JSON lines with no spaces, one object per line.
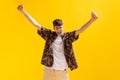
{"x":94,"y":16}
{"x":20,"y":7}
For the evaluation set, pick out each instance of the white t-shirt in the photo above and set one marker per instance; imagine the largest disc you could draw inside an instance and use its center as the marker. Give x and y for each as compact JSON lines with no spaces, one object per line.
{"x":58,"y":55}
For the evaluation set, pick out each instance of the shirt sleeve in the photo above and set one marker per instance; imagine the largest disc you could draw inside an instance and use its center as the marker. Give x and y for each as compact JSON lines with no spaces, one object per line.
{"x":71,"y":36}
{"x":44,"y":32}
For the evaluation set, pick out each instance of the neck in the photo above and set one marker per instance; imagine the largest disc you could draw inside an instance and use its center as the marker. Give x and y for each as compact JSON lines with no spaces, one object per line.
{"x":58,"y":34}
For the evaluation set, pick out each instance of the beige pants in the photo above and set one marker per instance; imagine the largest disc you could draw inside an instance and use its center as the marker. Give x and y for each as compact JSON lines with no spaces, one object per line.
{"x":52,"y":74}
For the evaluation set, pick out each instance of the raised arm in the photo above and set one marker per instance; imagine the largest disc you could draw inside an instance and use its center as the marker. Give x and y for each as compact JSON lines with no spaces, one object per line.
{"x":22,"y":10}
{"x":94,"y":16}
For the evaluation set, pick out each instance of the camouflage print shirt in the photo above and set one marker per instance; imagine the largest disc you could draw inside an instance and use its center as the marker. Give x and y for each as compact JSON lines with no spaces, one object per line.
{"x":68,"y":37}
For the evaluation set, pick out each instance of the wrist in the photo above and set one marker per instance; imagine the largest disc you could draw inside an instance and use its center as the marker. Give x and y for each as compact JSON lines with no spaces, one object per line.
{"x":92,"y":19}
{"x":21,"y":10}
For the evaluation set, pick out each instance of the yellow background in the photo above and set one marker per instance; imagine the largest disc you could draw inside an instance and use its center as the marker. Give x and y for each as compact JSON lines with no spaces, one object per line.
{"x":97,"y":50}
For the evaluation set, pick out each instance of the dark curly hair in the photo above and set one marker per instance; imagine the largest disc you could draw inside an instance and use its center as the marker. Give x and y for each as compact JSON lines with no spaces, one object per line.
{"x":57,"y":22}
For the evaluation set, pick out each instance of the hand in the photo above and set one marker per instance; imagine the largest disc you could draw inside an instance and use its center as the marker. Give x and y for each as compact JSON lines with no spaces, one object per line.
{"x":20,"y":7}
{"x":94,"y":16}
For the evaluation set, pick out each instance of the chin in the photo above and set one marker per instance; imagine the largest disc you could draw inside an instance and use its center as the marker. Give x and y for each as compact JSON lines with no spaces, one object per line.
{"x":59,"y":33}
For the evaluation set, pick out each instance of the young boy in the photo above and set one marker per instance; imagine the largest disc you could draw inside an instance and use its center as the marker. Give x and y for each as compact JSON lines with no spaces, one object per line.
{"x":58,"y":53}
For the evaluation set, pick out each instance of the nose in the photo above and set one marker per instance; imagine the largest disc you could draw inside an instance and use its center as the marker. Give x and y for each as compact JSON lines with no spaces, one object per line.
{"x":59,"y":29}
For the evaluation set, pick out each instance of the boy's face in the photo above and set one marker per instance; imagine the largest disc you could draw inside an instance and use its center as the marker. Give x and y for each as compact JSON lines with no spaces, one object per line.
{"x":58,"y":29}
